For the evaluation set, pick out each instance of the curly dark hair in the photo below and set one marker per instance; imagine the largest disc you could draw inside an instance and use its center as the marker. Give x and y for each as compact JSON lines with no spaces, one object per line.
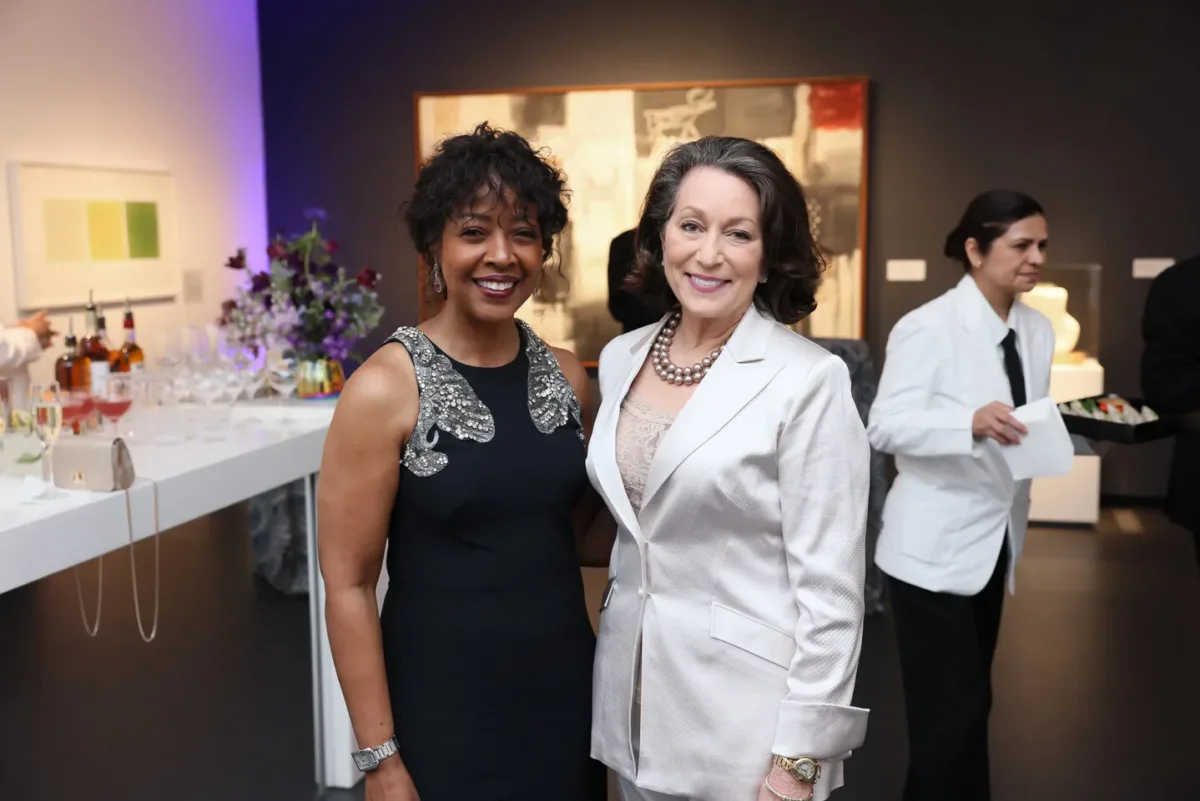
{"x":484,"y":163}
{"x":792,"y":260}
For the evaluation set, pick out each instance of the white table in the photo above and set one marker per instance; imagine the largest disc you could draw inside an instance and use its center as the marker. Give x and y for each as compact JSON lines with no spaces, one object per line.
{"x":193,"y":479}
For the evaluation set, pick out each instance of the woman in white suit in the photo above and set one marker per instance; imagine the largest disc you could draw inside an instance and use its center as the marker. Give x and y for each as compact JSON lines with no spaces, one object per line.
{"x":729,"y":452}
{"x":954,"y":521}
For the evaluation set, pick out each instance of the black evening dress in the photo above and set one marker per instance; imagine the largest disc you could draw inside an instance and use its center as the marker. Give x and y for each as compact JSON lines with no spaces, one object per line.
{"x":486,"y":637}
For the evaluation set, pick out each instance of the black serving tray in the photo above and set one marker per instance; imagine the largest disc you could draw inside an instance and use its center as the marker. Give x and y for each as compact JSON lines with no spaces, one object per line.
{"x":1108,"y":431}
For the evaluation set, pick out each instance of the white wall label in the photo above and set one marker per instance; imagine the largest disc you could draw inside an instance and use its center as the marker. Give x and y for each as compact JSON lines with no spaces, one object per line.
{"x":1149,"y":268}
{"x":193,"y":286}
{"x":906,"y":269}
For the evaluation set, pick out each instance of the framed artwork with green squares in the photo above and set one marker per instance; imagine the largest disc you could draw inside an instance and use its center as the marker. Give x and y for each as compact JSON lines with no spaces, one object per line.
{"x":107,"y":231}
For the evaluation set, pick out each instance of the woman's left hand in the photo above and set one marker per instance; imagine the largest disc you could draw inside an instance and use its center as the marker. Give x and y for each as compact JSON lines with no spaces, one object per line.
{"x":785,"y":784}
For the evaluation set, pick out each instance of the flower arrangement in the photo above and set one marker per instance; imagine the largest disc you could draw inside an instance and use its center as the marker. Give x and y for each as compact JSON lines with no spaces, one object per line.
{"x":304,"y":298}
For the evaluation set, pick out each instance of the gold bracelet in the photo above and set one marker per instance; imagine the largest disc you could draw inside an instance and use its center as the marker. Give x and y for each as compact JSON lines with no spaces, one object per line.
{"x":782,"y":797}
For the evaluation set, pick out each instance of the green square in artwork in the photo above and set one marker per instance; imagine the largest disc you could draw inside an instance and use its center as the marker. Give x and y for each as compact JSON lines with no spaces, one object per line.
{"x":142,"y":221}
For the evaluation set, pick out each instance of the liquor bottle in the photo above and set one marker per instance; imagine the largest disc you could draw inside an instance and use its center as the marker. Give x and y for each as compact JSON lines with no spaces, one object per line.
{"x":129,"y":358}
{"x":106,"y":343}
{"x":93,"y":347}
{"x":72,"y":370}
{"x":102,"y":330}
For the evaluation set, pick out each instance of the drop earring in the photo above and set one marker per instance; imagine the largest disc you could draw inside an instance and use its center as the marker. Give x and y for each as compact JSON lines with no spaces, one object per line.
{"x":438,"y":284}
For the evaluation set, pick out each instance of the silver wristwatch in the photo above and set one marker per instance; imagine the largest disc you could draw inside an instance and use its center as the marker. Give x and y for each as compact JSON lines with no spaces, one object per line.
{"x":368,"y":759}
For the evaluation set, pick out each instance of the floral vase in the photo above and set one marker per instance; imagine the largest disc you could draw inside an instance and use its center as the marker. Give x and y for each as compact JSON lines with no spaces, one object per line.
{"x":320,"y":378}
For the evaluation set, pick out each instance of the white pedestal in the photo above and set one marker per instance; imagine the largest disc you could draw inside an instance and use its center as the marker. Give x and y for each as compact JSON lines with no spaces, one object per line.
{"x":1075,"y":497}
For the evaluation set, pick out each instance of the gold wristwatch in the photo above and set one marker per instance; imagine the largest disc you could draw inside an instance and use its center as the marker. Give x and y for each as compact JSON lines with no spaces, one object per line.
{"x":802,"y":769}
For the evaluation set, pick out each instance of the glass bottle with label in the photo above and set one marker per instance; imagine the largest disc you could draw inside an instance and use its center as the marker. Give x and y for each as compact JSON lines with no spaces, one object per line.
{"x":102,"y":330}
{"x":72,"y":370}
{"x":94,"y":348}
{"x":129,"y":358}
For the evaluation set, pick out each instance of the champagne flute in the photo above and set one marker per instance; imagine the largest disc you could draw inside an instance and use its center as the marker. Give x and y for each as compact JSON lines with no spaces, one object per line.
{"x":45,"y":401}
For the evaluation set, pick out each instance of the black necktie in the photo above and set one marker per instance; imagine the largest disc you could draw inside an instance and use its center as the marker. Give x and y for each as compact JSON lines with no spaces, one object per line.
{"x":1012,"y":366}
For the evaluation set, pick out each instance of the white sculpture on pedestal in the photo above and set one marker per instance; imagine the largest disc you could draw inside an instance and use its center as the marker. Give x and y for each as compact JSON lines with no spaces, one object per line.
{"x":1051,"y":300}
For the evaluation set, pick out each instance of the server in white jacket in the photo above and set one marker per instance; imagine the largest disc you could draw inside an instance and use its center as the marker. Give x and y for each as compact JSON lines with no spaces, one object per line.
{"x":954,"y":521}
{"x":21,"y":345}
{"x":728,"y":449}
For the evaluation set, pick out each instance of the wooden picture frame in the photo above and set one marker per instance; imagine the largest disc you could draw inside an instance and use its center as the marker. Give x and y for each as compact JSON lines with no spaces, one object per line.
{"x":610,"y":139}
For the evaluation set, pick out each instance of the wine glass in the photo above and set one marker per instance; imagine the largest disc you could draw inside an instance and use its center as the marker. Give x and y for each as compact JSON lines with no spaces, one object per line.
{"x":114,"y":398}
{"x":283,"y":374}
{"x":75,"y":406}
{"x":45,"y":402}
{"x":256,"y":367}
{"x":171,"y":349}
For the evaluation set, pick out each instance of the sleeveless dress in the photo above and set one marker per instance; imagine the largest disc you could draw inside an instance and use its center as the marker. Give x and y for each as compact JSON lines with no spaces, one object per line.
{"x":487,"y":644}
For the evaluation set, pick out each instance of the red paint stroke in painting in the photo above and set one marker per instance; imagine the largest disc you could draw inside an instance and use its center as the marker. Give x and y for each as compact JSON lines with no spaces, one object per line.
{"x":836,"y":106}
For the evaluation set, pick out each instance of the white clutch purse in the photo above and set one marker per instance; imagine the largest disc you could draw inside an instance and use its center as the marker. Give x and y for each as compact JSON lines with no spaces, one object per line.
{"x":101,"y":464}
{"x":98,"y":464}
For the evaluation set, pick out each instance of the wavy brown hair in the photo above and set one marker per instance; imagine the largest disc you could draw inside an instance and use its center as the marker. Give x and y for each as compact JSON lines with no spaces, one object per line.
{"x":791,"y":258}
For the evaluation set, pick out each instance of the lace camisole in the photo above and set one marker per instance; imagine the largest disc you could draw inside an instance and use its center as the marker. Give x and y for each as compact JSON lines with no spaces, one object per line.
{"x":640,"y":429}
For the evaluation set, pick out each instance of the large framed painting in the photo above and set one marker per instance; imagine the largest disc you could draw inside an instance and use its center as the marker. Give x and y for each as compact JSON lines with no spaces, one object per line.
{"x":609,"y":140}
{"x":75,"y":229}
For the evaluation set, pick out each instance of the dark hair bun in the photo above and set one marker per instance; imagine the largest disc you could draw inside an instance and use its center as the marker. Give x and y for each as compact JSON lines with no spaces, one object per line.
{"x":956,"y":245}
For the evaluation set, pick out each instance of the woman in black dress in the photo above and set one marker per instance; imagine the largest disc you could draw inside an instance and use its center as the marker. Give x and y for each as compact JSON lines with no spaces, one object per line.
{"x":460,"y":445}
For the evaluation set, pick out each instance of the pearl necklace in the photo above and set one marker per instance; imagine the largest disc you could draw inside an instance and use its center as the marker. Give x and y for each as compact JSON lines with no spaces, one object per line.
{"x":670,"y":372}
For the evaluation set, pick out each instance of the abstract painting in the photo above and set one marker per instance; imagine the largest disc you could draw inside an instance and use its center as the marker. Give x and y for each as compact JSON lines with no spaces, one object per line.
{"x":610,"y":140}
{"x":81,"y":229}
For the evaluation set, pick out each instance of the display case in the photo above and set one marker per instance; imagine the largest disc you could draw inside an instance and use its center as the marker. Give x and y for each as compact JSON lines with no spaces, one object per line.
{"x":1069,"y":295}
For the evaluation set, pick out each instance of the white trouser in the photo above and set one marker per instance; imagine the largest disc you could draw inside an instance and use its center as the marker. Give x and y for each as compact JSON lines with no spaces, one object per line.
{"x":629,"y":792}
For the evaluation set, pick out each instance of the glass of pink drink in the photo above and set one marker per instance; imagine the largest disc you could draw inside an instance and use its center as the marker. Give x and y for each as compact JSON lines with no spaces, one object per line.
{"x":75,"y":406}
{"x":114,"y":399}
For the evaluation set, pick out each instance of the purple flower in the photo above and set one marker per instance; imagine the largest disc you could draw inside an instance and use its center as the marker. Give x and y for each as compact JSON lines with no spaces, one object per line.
{"x":314,"y":214}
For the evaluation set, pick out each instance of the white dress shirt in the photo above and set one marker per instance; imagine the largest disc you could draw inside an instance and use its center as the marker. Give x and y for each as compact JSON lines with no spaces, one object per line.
{"x":946,"y":515}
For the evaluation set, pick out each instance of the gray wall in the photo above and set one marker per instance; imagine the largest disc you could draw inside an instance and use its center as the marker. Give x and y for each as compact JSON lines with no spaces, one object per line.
{"x":1085,"y":112}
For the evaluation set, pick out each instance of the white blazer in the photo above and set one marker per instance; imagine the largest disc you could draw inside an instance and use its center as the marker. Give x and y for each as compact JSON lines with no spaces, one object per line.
{"x":742,"y":577}
{"x":19,"y":347}
{"x":946,"y":515}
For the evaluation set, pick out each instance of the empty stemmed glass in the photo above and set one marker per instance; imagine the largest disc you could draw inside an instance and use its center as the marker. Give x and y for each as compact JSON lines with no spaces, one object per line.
{"x":283,"y":374}
{"x":45,"y":402}
{"x":208,"y":386}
